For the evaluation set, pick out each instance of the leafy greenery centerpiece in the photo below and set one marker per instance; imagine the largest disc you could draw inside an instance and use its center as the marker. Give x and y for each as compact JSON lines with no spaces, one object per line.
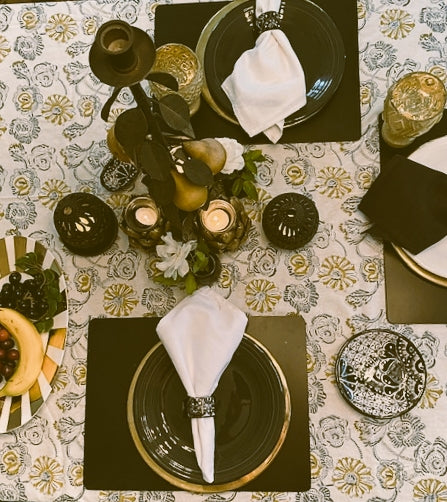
{"x":181,"y":174}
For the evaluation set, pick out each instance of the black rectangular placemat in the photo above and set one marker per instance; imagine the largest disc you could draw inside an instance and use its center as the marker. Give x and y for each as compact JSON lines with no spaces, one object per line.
{"x":339,"y":120}
{"x":115,"y":349}
{"x":411,"y":299}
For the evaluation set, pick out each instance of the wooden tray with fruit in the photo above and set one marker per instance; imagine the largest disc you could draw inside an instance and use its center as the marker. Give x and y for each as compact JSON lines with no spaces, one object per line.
{"x":33,"y":327}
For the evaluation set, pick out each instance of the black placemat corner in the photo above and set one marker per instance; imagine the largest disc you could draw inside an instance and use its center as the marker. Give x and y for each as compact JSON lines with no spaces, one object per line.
{"x":410,"y":298}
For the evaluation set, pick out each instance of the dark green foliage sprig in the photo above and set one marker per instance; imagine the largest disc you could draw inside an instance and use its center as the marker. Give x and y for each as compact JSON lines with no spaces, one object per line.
{"x":242,"y":183}
{"x":48,"y":280}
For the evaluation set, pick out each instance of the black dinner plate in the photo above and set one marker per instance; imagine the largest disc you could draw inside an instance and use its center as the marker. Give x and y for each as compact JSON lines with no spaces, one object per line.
{"x":380,"y":373}
{"x":312,"y":34}
{"x":252,"y":418}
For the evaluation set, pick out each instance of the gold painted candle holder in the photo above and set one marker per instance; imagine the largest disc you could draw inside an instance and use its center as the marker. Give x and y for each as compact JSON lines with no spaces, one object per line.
{"x":143,"y":222}
{"x":181,"y":62}
{"x":224,"y":224}
{"x":414,"y":104}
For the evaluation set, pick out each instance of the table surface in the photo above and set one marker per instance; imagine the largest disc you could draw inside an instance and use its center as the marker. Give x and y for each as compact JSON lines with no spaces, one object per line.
{"x":53,"y":142}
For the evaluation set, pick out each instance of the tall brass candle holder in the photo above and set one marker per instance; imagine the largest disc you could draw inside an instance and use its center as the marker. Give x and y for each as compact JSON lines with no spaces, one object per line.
{"x":123,"y":56}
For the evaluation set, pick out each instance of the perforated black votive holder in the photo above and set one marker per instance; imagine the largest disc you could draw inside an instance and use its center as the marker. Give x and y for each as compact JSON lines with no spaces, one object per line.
{"x":86,"y":225}
{"x":290,"y":220}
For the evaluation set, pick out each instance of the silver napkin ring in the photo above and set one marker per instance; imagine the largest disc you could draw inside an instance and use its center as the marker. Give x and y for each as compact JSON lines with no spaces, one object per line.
{"x":200,"y":407}
{"x":270,"y":20}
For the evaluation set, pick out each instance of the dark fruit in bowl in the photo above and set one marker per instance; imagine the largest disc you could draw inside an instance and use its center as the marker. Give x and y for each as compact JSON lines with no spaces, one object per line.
{"x":24,"y":295}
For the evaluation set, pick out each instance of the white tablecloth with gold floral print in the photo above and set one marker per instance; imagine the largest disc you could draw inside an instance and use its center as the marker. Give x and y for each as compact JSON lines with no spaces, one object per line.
{"x":52,"y":143}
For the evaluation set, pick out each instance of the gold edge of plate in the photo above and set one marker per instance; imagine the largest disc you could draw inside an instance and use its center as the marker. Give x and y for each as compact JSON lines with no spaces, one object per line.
{"x":210,"y":488}
{"x":200,"y":51}
{"x":415,"y":267}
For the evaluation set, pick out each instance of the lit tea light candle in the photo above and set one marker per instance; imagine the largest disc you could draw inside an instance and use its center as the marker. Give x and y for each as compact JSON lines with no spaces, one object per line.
{"x":141,"y":214}
{"x":219,"y":216}
{"x":216,"y":220}
{"x":147,"y":216}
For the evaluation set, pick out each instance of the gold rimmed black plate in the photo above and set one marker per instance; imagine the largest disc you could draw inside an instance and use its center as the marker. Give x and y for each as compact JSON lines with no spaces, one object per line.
{"x":312,"y":34}
{"x":415,"y":267}
{"x":431,"y":263}
{"x":252,"y":418}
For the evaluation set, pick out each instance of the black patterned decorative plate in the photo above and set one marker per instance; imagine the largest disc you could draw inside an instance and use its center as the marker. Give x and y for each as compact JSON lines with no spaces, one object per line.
{"x":252,"y":418}
{"x":380,"y":373}
{"x":117,"y":175}
{"x":312,"y":34}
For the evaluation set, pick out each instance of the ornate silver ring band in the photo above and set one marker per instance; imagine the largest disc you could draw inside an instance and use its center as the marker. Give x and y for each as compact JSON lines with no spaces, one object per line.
{"x":200,"y":407}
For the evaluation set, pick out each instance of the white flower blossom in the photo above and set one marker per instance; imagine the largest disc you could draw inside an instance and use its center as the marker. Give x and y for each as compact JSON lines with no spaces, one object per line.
{"x":234,"y":151}
{"x":174,"y":256}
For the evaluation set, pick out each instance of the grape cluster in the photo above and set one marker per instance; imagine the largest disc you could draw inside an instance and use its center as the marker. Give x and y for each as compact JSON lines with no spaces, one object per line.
{"x":9,"y":354}
{"x":26,"y":296}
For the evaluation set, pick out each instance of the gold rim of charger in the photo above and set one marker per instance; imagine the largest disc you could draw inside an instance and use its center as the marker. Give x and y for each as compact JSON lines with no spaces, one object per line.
{"x":209,"y":488}
{"x":415,"y":267}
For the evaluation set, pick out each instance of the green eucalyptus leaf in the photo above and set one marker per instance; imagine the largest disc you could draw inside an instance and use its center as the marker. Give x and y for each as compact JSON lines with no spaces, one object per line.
{"x":247,"y":175}
{"x":198,"y":172}
{"x":251,"y":167}
{"x":174,"y":110}
{"x":108,"y":104}
{"x":190,"y":283}
{"x":44,"y":325}
{"x":236,"y":188}
{"x":163,"y":78}
{"x":250,"y":190}
{"x":161,"y":191}
{"x":253,"y":155}
{"x":154,"y":159}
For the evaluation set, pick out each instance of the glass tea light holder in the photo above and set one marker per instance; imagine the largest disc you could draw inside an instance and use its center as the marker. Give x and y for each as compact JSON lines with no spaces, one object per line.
{"x":183,"y":63}
{"x":224,"y":224}
{"x":143,"y":222}
{"x":413,"y":105}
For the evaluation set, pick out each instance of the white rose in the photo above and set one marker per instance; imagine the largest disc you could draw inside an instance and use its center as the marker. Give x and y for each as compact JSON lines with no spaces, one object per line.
{"x":234,"y":151}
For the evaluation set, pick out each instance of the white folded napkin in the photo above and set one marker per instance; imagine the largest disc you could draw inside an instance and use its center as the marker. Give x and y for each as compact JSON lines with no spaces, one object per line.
{"x":200,"y":335}
{"x":268,"y":82}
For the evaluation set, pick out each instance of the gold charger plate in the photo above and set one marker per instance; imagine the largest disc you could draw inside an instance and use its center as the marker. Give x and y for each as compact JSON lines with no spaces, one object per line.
{"x":431,"y":263}
{"x":415,"y":267}
{"x":312,"y":34}
{"x":18,"y":410}
{"x":253,"y":410}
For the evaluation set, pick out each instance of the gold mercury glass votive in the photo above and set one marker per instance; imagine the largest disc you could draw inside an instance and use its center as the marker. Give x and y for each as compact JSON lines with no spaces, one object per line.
{"x":142,"y":221}
{"x":414,"y":104}
{"x":224,"y":224}
{"x":182,"y":63}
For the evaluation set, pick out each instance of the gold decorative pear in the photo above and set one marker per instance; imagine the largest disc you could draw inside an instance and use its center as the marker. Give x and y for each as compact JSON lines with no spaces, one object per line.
{"x":208,"y":150}
{"x":188,"y":196}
